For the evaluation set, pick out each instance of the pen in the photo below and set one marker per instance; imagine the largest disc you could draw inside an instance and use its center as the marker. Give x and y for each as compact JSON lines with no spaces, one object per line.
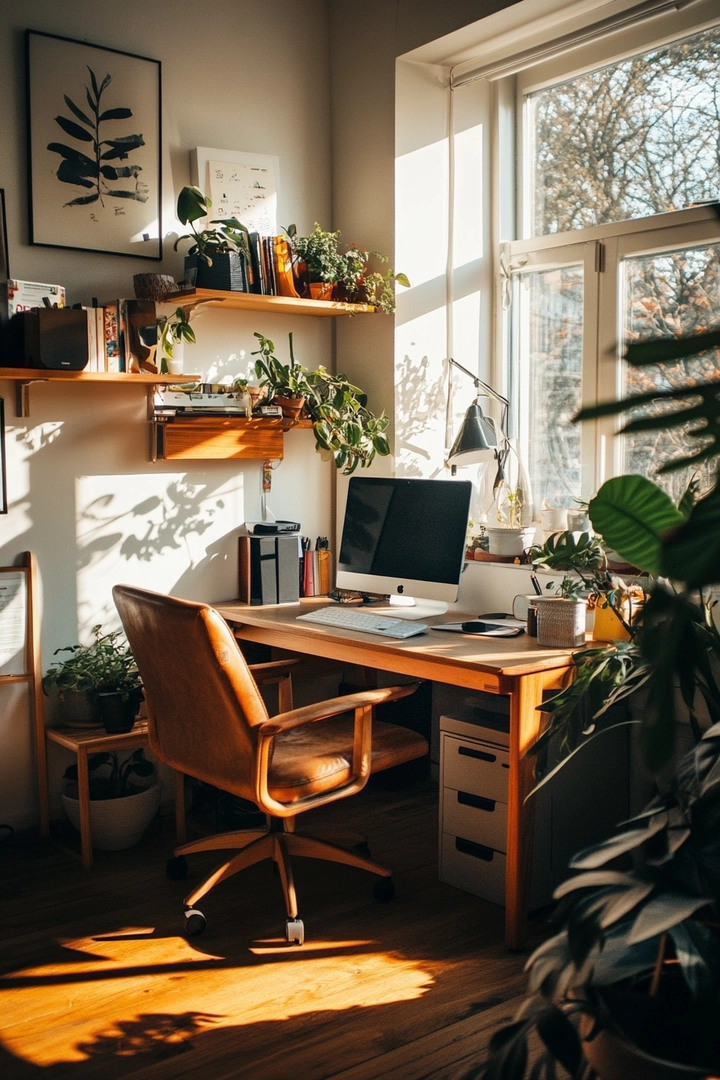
{"x":536,"y":584}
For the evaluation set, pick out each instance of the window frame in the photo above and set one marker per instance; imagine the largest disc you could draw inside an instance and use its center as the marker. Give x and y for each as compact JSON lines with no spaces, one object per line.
{"x":605,"y":247}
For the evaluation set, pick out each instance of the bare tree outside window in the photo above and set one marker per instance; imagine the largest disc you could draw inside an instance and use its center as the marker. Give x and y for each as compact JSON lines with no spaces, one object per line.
{"x":637,"y":138}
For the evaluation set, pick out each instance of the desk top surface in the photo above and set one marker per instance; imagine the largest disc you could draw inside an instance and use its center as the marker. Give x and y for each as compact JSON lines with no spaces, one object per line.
{"x":445,"y":657}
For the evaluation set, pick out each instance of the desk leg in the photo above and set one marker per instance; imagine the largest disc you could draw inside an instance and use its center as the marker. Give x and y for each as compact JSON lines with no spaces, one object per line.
{"x":525,"y":723}
{"x":84,"y":807}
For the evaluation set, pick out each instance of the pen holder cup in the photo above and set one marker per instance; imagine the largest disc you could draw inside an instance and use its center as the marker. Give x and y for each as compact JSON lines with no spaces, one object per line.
{"x":525,"y":607}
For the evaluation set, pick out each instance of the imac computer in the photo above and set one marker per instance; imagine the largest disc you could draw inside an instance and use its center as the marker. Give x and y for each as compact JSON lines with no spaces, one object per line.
{"x":405,"y":539}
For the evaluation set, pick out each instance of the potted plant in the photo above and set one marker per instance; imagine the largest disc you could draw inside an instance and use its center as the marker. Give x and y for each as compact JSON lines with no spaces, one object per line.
{"x":343,"y":275}
{"x":639,"y":925}
{"x":175,"y":330}
{"x":358,"y":283}
{"x":319,"y":252}
{"x":106,"y":673}
{"x":121,"y":808}
{"x":344,"y":428}
{"x":217,"y":258}
{"x":561,"y":618}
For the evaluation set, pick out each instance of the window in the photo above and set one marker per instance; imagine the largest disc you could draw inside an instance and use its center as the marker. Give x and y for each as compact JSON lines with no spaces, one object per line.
{"x":621,"y":157}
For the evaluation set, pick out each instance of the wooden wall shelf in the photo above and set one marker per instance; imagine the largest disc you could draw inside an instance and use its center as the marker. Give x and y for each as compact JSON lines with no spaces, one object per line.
{"x":220,"y":437}
{"x":25,"y":377}
{"x":278,"y":305}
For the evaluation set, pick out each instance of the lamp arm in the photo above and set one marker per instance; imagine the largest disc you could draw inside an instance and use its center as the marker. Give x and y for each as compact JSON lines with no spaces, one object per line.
{"x":479,"y":384}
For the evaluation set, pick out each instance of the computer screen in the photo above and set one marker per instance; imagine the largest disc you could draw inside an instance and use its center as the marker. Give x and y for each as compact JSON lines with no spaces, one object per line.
{"x":405,"y":538}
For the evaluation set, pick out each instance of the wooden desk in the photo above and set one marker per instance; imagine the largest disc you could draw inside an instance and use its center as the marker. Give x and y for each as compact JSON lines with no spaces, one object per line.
{"x":517,"y":667}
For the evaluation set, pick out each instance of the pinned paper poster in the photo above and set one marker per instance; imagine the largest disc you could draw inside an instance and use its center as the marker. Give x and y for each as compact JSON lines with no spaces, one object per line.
{"x":13,"y":621}
{"x":246,"y":192}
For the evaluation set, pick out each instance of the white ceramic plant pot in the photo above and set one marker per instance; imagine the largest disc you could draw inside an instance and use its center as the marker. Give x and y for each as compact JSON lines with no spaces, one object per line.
{"x":560,"y":622}
{"x":117,"y":823}
{"x":175,"y":364}
{"x":506,"y":541}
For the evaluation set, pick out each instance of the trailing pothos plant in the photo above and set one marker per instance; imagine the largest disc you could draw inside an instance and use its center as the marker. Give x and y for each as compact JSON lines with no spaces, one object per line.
{"x":650,"y":894}
{"x":344,"y":428}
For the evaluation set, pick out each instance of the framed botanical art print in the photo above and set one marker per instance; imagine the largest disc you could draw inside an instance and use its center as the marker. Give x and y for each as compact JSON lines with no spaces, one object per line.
{"x":94,"y":145}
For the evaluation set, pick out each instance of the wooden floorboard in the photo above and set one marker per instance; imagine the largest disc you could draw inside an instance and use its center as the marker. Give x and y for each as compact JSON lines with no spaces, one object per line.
{"x":98,"y":982}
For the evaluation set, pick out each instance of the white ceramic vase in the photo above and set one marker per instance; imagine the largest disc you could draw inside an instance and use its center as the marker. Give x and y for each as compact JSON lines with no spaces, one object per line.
{"x":176,"y":362}
{"x":502,"y":540}
{"x":117,"y":823}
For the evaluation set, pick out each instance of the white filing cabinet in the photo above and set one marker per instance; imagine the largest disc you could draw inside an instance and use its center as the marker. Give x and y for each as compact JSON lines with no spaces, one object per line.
{"x":577,"y":807}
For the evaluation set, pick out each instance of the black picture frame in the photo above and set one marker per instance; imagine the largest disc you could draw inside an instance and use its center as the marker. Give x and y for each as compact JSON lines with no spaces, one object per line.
{"x":4,"y":267}
{"x":3,"y":470}
{"x":94,"y":147}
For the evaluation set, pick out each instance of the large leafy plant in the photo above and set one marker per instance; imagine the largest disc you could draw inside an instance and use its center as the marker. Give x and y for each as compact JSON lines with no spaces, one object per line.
{"x":652,"y":891}
{"x":93,"y":169}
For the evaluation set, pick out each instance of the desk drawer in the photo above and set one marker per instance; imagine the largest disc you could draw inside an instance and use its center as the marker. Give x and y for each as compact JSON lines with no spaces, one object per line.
{"x":476,"y":868}
{"x":475,"y":767}
{"x":475,"y":817}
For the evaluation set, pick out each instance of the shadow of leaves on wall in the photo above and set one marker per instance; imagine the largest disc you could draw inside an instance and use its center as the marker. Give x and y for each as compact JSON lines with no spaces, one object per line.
{"x":183,"y":509}
{"x":419,"y":418}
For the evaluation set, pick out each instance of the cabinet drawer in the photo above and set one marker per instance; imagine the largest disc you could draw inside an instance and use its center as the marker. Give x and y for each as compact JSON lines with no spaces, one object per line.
{"x":475,"y":817}
{"x":476,"y":767}
{"x":476,"y":868}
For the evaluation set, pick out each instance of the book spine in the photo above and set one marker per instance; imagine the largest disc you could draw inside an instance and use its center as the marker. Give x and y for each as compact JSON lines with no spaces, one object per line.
{"x":110,"y":334}
{"x":283,"y":267}
{"x":323,"y":580}
{"x":256,"y":262}
{"x":92,"y":364}
{"x":100,"y":338}
{"x":123,"y":361}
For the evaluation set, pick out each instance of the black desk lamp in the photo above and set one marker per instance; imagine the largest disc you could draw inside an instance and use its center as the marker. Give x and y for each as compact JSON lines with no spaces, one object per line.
{"x":478,"y":439}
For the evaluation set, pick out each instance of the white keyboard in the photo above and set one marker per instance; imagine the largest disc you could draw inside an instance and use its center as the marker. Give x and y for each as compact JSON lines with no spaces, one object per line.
{"x":368,"y":623}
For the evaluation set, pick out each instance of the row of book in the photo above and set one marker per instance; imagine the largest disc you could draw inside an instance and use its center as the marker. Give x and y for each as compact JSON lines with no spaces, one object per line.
{"x":122,"y":336}
{"x":270,"y":269}
{"x":315,"y":568}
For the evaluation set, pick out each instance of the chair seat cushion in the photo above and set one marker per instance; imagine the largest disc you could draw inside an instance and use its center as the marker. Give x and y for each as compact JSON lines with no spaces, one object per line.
{"x":317,"y":757}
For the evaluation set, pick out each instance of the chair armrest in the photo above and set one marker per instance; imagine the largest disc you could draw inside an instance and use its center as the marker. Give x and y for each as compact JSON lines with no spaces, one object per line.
{"x":361,"y":704}
{"x":272,"y":670}
{"x":323,"y":710}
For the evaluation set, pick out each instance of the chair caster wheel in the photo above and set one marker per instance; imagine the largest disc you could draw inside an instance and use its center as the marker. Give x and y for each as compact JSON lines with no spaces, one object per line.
{"x":177,"y":868}
{"x":195,"y":922}
{"x":294,"y":931}
{"x":384,"y":890}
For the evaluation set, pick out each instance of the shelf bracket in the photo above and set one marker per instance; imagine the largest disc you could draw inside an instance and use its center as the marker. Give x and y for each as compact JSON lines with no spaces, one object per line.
{"x":22,"y":396}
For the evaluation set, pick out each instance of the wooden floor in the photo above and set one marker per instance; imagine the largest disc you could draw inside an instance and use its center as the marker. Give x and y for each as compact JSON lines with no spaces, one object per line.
{"x":97,"y":980}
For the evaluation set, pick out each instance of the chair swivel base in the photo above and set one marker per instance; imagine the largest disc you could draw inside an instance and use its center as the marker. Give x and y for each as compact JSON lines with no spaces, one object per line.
{"x":278,"y":842}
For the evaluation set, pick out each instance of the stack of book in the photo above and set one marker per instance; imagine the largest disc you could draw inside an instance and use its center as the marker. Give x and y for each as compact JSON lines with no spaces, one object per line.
{"x":272,"y":270}
{"x":122,"y":336}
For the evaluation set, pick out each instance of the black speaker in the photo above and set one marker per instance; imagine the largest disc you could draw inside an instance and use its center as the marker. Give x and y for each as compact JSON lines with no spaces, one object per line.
{"x":52,"y":338}
{"x":269,"y":569}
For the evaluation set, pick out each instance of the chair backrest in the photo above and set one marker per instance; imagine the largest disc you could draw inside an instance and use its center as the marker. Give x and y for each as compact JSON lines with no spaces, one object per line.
{"x":203,"y":702}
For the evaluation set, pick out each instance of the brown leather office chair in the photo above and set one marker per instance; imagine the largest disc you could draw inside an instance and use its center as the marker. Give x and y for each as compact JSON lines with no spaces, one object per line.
{"x":207,"y":718}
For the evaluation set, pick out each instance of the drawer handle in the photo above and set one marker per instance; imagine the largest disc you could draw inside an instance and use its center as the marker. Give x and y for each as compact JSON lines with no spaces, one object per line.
{"x":482,"y":755}
{"x":478,"y":851}
{"x":478,"y":801}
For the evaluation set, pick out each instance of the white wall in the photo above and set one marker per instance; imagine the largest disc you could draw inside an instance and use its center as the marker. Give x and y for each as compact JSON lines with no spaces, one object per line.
{"x":84,"y":497}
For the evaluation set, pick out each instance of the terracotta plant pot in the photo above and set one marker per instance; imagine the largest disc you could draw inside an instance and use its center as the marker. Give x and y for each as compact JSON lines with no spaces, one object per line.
{"x":291,"y":407}
{"x":321,"y":290}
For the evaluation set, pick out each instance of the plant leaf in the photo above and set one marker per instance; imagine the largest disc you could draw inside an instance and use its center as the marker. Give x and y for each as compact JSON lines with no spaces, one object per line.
{"x":115,"y":114}
{"x":73,"y":129}
{"x":665,"y":350}
{"x":119,"y":193}
{"x":692,"y":552}
{"x":83,"y":200}
{"x":663,"y":911}
{"x":70,"y":154}
{"x":78,"y":112}
{"x":632,"y":514}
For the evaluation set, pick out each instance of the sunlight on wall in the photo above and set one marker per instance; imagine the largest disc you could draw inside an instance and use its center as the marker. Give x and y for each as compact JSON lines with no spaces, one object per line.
{"x":238,"y":994}
{"x":421,"y":179}
{"x":156,"y":542}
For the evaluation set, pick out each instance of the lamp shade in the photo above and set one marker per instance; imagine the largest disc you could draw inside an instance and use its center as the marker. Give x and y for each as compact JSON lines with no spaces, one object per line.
{"x":476,"y":441}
